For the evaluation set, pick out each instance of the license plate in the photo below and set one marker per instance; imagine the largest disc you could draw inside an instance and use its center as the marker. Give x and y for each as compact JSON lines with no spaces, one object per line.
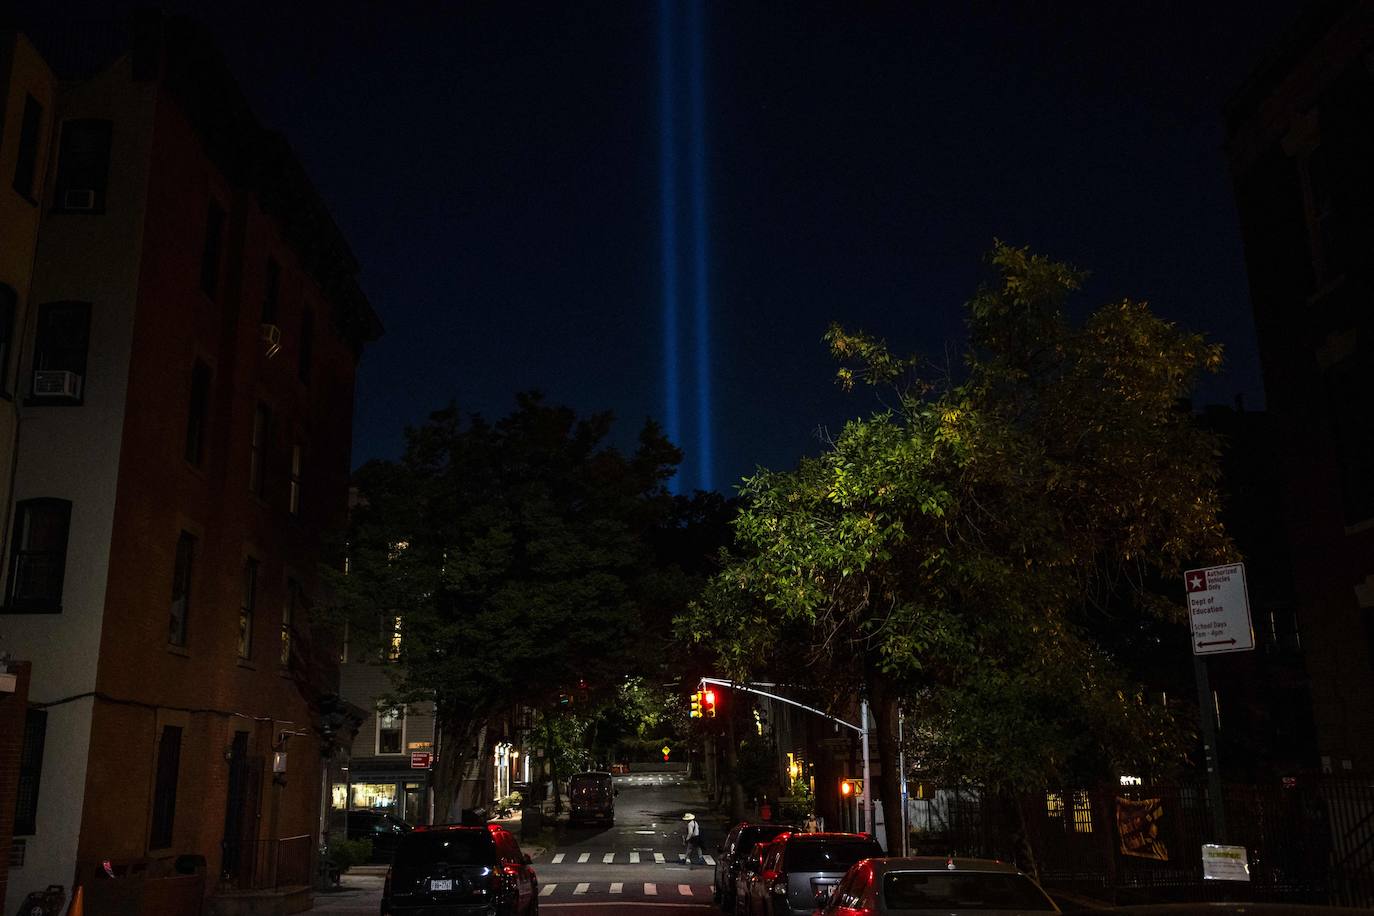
{"x":441,"y":884}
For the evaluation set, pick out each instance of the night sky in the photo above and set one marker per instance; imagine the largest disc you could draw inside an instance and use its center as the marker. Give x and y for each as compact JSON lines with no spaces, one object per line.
{"x":496,"y":168}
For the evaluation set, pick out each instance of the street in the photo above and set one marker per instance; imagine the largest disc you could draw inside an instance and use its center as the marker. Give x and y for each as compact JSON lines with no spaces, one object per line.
{"x":633,"y":866}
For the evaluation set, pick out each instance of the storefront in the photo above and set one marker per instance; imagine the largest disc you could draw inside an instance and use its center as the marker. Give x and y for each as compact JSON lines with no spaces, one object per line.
{"x":386,"y":787}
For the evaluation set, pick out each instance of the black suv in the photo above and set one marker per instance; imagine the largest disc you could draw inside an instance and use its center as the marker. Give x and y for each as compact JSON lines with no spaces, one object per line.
{"x":730,"y":856}
{"x":448,"y":871}
{"x":384,"y":830}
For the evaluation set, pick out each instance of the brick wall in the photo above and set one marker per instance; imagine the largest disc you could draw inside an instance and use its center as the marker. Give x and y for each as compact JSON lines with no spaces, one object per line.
{"x":12,"y":709}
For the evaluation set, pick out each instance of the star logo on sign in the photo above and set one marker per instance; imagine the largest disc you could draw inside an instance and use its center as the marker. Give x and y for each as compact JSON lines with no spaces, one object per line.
{"x":1197,"y":582}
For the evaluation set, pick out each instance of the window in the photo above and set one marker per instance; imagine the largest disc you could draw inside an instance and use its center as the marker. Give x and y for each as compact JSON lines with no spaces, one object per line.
{"x":214,"y":241}
{"x":271,"y":290}
{"x":165,"y":791}
{"x":39,"y":561}
{"x":30,"y":132}
{"x":30,"y":769}
{"x":262,"y":428}
{"x":83,"y":166}
{"x":8,"y":303}
{"x":307,"y":350}
{"x":59,"y":352}
{"x":198,"y":413}
{"x":247,"y":605}
{"x":181,"y":589}
{"x":294,"y":503}
{"x":391,"y":723}
{"x":295,"y":599}
{"x":393,"y":639}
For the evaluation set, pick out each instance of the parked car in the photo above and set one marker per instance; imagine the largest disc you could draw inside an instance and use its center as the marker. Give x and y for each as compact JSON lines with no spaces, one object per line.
{"x":732,"y":852}
{"x":878,"y":887}
{"x":750,"y":873}
{"x":797,"y":867}
{"x":384,"y":830}
{"x":592,"y":796}
{"x":619,"y":769}
{"x":454,"y":869}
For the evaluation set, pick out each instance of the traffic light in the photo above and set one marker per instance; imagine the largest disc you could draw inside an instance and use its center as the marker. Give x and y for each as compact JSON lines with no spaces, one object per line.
{"x":851,"y":788}
{"x":696,"y":705}
{"x":708,"y":703}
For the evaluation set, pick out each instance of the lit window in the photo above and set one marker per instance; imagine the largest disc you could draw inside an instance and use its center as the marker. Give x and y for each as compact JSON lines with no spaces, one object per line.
{"x":390,"y":730}
{"x":393,"y":648}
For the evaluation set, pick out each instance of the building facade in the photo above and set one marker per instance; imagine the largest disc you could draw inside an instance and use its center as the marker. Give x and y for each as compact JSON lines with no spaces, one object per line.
{"x":1300,"y":142}
{"x":184,"y":396}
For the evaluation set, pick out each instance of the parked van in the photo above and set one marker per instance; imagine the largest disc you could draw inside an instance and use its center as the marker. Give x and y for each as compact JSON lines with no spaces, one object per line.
{"x":593,"y":797}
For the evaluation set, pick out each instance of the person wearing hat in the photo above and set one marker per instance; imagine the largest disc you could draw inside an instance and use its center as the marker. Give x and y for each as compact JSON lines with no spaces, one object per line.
{"x":691,"y":839}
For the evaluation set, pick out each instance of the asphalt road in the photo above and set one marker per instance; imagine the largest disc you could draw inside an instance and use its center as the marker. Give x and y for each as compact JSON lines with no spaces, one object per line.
{"x":631,"y":867}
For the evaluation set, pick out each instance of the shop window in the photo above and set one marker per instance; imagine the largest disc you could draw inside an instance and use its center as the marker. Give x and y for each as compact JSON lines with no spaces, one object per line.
{"x":30,"y":771}
{"x":61,"y":339}
{"x":247,"y":606}
{"x":39,"y":559}
{"x":181,"y":589}
{"x":198,"y":413}
{"x":165,"y":789}
{"x":83,"y":166}
{"x":30,"y":136}
{"x":379,"y":796}
{"x":213,"y":253}
{"x":391,"y":721}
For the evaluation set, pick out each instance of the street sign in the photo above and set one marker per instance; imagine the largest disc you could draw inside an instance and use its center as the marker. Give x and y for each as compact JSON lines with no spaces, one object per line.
{"x":1219,"y":609}
{"x":666,"y":751}
{"x":419,"y":760}
{"x":1225,"y":863}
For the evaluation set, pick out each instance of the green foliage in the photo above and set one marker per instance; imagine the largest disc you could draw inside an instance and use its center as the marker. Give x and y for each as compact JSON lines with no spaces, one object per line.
{"x":962,"y":549}
{"x":344,"y":854}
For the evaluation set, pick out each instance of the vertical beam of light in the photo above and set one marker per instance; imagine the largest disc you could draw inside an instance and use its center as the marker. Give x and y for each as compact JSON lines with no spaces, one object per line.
{"x":667,"y":154}
{"x":701,"y":305}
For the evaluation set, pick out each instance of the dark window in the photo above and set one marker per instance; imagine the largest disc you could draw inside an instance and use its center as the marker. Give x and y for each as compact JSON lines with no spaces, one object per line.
{"x":262,"y":430}
{"x":945,"y":891}
{"x":247,"y":605}
{"x":30,"y":130}
{"x":165,"y":792}
{"x":8,"y":305}
{"x":30,"y":769}
{"x":836,"y":855}
{"x":455,"y":847}
{"x":307,"y":351}
{"x":295,"y":600}
{"x":198,"y":413}
{"x":59,"y":351}
{"x":294,"y":502}
{"x":83,"y":166}
{"x":214,"y":241}
{"x":271,"y":292}
{"x":181,"y":588}
{"x":39,"y":559}
{"x":1350,"y":403}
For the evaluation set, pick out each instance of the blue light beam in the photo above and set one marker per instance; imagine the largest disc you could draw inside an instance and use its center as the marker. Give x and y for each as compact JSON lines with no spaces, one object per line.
{"x":667,"y":153}
{"x":701,"y":304}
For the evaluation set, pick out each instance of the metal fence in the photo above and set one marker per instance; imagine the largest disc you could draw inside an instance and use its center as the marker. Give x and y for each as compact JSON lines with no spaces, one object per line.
{"x":1310,"y":841}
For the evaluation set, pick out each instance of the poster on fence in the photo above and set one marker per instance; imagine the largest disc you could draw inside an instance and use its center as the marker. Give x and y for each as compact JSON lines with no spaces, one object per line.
{"x":1137,"y":821}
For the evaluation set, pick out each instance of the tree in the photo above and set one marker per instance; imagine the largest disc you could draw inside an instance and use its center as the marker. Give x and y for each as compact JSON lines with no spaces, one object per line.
{"x":955,"y":550}
{"x":508,"y":557}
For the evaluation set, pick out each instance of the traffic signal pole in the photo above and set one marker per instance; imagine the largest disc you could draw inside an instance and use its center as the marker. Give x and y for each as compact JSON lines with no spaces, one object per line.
{"x":861,"y":728}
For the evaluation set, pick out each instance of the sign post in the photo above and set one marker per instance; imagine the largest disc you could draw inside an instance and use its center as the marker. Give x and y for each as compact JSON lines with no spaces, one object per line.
{"x":1219,"y":614}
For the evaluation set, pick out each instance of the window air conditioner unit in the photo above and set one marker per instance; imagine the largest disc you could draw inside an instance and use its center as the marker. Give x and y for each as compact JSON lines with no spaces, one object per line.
{"x":270,"y":335}
{"x":56,"y":383}
{"x":75,"y":199}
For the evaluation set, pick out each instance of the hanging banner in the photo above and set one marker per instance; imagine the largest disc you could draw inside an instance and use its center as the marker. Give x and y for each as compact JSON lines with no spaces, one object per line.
{"x":1137,"y":822}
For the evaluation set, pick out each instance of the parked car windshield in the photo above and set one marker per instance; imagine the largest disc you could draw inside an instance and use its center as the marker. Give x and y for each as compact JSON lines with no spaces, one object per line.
{"x":451,"y":847}
{"x":911,"y":890}
{"x":830,"y":855}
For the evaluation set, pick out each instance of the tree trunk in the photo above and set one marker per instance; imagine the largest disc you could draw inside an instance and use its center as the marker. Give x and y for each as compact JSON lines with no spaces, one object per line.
{"x":1021,"y":842}
{"x":732,"y":764}
{"x":454,"y":755}
{"x":883,"y":737}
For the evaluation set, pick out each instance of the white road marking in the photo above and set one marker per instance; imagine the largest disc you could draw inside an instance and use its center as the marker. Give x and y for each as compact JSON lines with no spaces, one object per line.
{"x":617,"y":887}
{"x":584,"y":857}
{"x":651,"y":890}
{"x":547,"y":889}
{"x":709,"y":860}
{"x":581,"y":888}
{"x":608,"y":858}
{"x":685,"y":890}
{"x":634,"y":858}
{"x":558,"y":857}
{"x":658,"y":858}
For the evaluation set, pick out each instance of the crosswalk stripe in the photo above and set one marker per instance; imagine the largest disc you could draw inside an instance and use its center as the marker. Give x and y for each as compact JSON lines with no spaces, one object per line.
{"x":685,"y":890}
{"x":608,"y":858}
{"x":584,"y":857}
{"x":581,"y":888}
{"x":634,"y":858}
{"x":658,"y":858}
{"x":709,"y":860}
{"x":547,"y":890}
{"x":617,"y":887}
{"x":558,"y":858}
{"x":651,"y":890}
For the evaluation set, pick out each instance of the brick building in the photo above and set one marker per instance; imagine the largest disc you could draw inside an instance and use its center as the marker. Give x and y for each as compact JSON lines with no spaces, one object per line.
{"x":185,"y":402}
{"x":1300,"y":141}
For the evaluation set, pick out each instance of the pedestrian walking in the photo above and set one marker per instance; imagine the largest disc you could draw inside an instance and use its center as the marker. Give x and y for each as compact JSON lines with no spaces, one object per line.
{"x":691,"y":840}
